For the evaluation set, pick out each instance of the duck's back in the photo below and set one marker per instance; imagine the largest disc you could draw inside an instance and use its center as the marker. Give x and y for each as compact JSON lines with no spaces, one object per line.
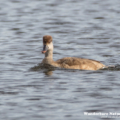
{"x":79,"y":63}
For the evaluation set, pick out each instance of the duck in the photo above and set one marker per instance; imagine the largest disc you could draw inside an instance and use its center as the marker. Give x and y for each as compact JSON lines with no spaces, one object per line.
{"x":67,"y":62}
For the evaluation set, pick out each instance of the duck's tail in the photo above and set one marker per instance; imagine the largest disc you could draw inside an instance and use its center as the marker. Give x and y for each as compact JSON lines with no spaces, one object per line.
{"x":112,"y":67}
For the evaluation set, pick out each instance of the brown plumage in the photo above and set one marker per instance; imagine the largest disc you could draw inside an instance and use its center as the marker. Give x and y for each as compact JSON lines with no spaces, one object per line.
{"x":47,"y":39}
{"x":67,"y":62}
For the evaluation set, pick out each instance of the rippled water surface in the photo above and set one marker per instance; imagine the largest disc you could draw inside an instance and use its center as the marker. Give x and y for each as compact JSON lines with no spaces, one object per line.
{"x":80,"y":28}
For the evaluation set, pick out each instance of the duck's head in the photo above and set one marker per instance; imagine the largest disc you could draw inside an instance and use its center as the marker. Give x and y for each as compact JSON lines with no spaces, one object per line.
{"x":47,"y":43}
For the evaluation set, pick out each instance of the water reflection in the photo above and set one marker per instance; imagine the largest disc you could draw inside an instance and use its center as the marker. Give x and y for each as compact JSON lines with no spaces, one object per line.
{"x":48,"y":69}
{"x":48,"y":72}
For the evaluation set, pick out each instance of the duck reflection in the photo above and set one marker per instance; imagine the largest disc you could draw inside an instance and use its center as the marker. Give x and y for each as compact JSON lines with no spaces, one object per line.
{"x":48,"y":72}
{"x":47,"y":69}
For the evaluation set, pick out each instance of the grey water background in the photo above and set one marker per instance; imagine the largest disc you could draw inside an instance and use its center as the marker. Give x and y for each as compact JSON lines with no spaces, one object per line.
{"x":80,"y":28}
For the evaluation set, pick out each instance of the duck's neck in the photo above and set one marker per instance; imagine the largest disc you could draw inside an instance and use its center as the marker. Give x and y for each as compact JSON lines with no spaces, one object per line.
{"x":49,"y":54}
{"x":48,"y":57}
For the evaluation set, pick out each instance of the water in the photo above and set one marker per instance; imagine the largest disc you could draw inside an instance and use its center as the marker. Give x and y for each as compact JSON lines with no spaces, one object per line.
{"x":87,"y":29}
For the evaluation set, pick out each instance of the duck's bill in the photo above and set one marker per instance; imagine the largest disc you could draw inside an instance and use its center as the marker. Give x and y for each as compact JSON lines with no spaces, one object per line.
{"x":43,"y":52}
{"x":44,"y":49}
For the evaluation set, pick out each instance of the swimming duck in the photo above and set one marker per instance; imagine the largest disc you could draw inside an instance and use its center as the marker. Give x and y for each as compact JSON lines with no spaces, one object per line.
{"x":67,"y":62}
